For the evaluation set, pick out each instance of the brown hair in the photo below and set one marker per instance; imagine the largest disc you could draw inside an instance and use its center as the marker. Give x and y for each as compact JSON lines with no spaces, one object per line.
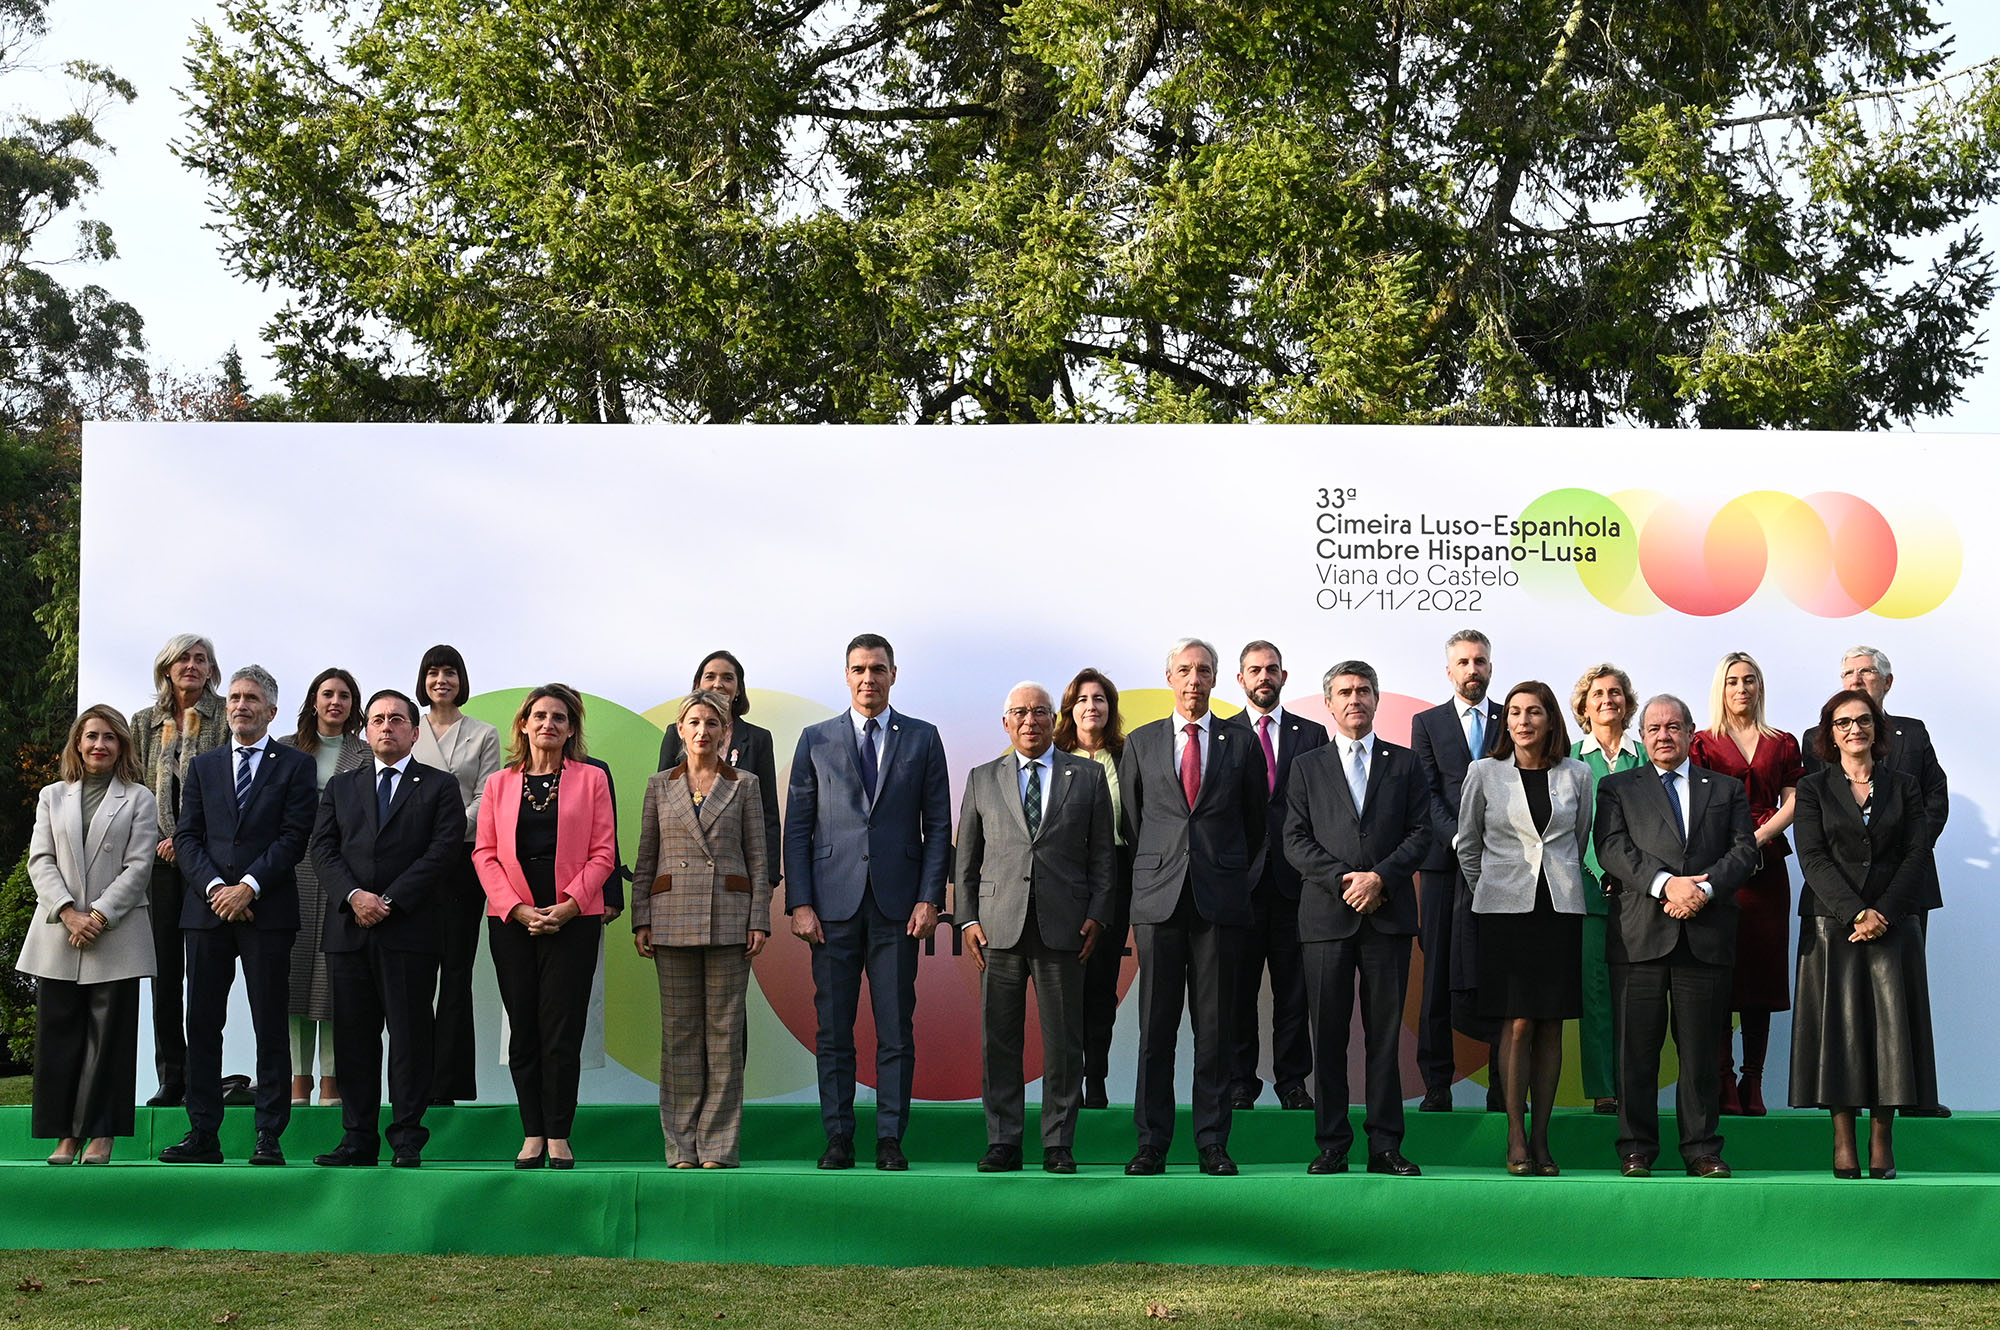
{"x":127,"y":766}
{"x":307,"y":739}
{"x":1114,"y":732}
{"x":1823,"y":745}
{"x":1555,"y":744}
{"x":573,"y":747}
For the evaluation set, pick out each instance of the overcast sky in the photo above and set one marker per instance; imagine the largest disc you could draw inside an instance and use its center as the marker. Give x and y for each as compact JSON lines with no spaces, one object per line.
{"x":194,"y":310}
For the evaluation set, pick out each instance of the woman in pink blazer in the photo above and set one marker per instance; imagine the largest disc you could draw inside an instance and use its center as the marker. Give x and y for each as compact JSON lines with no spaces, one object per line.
{"x":545,"y":846}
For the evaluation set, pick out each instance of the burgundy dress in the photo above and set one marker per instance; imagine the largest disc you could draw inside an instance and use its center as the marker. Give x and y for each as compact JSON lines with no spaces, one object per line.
{"x":1764,"y":903}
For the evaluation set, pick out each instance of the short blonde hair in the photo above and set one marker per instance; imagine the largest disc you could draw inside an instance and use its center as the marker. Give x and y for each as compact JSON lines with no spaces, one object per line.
{"x":1581,"y":692}
{"x":1716,"y":712}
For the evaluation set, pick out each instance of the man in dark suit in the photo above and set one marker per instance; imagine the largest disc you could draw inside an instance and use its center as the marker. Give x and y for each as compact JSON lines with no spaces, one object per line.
{"x":246,"y":814}
{"x":1356,"y":827}
{"x":1446,"y":739}
{"x":867,"y":849}
{"x":1196,"y":798}
{"x":1867,"y":670}
{"x":1678,"y":841}
{"x":1273,"y":936}
{"x":1036,"y":861}
{"x":386,"y":838}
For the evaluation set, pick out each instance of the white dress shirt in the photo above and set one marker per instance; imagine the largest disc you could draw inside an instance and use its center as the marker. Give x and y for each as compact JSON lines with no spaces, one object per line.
{"x":1277,"y":725}
{"x":1681,"y":794}
{"x":1180,"y":739}
{"x":401,"y":769}
{"x":1046,"y":762}
{"x":258,"y":752}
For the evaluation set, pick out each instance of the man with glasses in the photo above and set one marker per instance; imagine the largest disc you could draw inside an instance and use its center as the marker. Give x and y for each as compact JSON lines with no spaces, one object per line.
{"x":1679,"y":841}
{"x":1036,"y":860}
{"x":1866,"y":670}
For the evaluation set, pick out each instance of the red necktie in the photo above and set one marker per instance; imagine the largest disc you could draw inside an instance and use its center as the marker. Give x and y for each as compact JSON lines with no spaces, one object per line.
{"x":1270,"y":755}
{"x":1191,"y":764}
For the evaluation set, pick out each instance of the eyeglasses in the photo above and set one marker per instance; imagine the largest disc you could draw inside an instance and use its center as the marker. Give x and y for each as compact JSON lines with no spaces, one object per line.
{"x":1018,"y":714}
{"x":1842,"y":724}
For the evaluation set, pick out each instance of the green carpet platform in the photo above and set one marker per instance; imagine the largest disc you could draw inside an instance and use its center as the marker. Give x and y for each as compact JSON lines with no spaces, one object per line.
{"x":1782,"y":1216}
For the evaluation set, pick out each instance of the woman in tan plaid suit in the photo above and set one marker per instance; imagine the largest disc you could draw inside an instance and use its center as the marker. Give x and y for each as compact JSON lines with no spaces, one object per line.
{"x":701,"y":908}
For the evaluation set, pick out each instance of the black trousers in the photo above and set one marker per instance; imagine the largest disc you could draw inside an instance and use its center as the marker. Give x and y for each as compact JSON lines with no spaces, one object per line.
{"x":461,"y":904}
{"x":1100,"y":974}
{"x":879,"y":945}
{"x":1382,"y":964}
{"x":163,"y":900}
{"x":1645,"y":996}
{"x":1434,"y":921}
{"x":377,"y":988}
{"x":1272,"y":941}
{"x":86,"y":1058}
{"x":266,"y":957}
{"x":1186,"y":963}
{"x":545,"y":986}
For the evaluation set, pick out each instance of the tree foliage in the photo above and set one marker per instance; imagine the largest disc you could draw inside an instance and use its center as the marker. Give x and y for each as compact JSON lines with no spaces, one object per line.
{"x":1742,"y":212}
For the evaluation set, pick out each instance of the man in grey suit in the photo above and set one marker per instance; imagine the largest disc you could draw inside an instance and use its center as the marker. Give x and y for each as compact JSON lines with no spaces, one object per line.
{"x":867,"y":851}
{"x":1196,"y":798}
{"x":1677,"y":840}
{"x":1357,"y":825}
{"x":1036,"y":860}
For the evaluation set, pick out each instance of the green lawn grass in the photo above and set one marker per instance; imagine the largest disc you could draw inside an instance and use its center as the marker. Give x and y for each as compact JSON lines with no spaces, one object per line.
{"x":164,"y":1288}
{"x":16,"y":1089}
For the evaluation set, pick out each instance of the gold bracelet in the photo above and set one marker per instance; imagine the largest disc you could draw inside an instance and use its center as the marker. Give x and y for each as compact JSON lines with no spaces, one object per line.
{"x":98,"y":915}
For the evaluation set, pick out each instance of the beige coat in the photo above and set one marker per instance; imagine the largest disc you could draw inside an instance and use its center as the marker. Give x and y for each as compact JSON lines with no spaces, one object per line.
{"x":701,"y":878}
{"x":108,"y":871}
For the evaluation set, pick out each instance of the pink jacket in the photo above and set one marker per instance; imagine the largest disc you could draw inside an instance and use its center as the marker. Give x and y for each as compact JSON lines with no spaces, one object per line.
{"x":585,"y":840}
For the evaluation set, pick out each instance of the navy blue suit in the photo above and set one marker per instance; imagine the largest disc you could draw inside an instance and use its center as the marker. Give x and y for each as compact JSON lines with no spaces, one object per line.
{"x":863,"y":865}
{"x":264,"y":842}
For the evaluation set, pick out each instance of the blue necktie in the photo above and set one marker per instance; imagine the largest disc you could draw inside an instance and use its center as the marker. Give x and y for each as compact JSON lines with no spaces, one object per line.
{"x":1668,"y":778}
{"x":869,"y":770}
{"x":383,"y":793}
{"x":243,"y":756}
{"x":1478,"y":733}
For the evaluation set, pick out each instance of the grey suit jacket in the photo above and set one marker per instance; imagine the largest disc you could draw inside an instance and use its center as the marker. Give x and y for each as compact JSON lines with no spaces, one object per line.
{"x":107,"y":869}
{"x":1502,"y":854}
{"x":1067,"y":868}
{"x":702,"y":877}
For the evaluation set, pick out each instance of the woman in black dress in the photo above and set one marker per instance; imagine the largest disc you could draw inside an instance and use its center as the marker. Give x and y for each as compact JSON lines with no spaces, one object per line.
{"x":1523,"y":821}
{"x":1861,"y":1023}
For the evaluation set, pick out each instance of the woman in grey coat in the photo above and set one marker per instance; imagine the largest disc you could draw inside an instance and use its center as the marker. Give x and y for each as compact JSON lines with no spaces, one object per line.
{"x":91,"y":860}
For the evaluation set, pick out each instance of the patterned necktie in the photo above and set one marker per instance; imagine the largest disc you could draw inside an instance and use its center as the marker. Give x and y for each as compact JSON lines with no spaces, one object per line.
{"x":1270,"y":755}
{"x":1032,"y":802}
{"x":243,"y":756}
{"x":1668,"y":778}
{"x":1478,"y":736}
{"x":869,"y":769}
{"x":382,"y":794}
{"x":1357,"y":776}
{"x":1191,"y":764}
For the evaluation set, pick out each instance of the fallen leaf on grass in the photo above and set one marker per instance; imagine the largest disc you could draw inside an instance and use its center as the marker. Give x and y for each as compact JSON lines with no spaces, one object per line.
{"x":29,"y":1284}
{"x":1162,"y":1311}
{"x":226,"y":1318}
{"x":86,"y":1281}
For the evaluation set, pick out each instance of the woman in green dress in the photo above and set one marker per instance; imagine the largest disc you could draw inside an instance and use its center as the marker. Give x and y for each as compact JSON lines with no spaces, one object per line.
{"x":1602,"y":702}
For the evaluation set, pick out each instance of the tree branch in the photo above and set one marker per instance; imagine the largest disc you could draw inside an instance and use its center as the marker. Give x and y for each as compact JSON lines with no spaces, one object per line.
{"x":1159,"y":364}
{"x":950,"y":111}
{"x":875,"y":37}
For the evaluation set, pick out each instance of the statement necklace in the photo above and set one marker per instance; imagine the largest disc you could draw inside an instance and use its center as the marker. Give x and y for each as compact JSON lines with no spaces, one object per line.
{"x":528,"y":791}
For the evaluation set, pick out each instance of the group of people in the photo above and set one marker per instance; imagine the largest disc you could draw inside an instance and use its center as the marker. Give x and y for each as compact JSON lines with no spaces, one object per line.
{"x":1634,"y":881}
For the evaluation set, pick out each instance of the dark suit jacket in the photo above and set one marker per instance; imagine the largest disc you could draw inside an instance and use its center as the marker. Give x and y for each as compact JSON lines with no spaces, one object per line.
{"x":1212,"y":845}
{"x":1636,"y":841}
{"x":1066,"y":868}
{"x":266,"y":842}
{"x":614,"y":886}
{"x":1326,"y":839}
{"x":1851,"y":865}
{"x":1439,"y":744}
{"x":404,"y":860}
{"x":1910,"y":751}
{"x":1300,"y":736}
{"x":752,"y":750}
{"x":839,"y":845}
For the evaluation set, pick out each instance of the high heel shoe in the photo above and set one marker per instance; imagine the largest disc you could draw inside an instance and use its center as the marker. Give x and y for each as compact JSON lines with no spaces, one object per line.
{"x":1521,"y":1168}
{"x":1750,"y":1095}
{"x":65,"y":1152}
{"x":539,"y":1159}
{"x":1546,"y":1168}
{"x":1885,"y":1174}
{"x":1727,"y":1102}
{"x":93,"y":1154}
{"x":1849,"y":1172}
{"x":562,"y":1161}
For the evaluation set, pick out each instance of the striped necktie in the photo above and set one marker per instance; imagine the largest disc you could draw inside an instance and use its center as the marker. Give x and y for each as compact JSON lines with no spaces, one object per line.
{"x":243,"y":756}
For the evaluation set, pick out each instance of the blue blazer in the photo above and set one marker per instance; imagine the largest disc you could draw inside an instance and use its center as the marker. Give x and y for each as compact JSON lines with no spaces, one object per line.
{"x":838,"y":845}
{"x":266,"y":842}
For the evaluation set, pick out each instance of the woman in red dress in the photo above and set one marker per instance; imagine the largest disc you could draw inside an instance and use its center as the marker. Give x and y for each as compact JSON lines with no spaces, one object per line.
{"x":1738,"y":743}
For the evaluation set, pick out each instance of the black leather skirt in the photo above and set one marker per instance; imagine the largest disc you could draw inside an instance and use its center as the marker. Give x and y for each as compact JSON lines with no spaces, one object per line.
{"x":1861,"y":1019}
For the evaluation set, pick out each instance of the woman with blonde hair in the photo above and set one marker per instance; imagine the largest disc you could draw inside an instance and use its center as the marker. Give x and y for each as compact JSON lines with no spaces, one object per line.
{"x":1740,"y":743}
{"x":1602,"y":703}
{"x":91,"y":939}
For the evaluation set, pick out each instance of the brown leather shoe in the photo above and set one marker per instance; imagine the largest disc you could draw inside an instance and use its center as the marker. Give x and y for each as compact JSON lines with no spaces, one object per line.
{"x":1708,"y":1166}
{"x":1635,"y":1166}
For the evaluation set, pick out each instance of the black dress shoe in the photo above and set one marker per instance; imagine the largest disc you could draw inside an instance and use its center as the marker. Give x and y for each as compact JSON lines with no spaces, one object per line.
{"x":1296,"y":1098}
{"x":1327,"y":1162}
{"x":1635,"y":1166}
{"x":839,"y":1152}
{"x":237,"y":1091}
{"x":197,"y":1147}
{"x":1393,"y":1163}
{"x":1001,"y":1159}
{"x":407,"y":1159}
{"x":1929,"y":1111}
{"x":1215,"y":1162}
{"x":1058,"y":1159}
{"x":539,"y":1159}
{"x":1093,"y":1093}
{"x":168,"y":1096}
{"x":1149,"y":1162}
{"x":345,"y":1155}
{"x":1242,"y":1101}
{"x":1708,"y":1166}
{"x":268,"y":1150}
{"x":889,"y":1155}
{"x":1883,"y":1174}
{"x":441,"y":1103}
{"x":1436,"y":1101}
{"x":1607,"y":1106}
{"x":1848,"y":1173}
{"x":562,"y":1163}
